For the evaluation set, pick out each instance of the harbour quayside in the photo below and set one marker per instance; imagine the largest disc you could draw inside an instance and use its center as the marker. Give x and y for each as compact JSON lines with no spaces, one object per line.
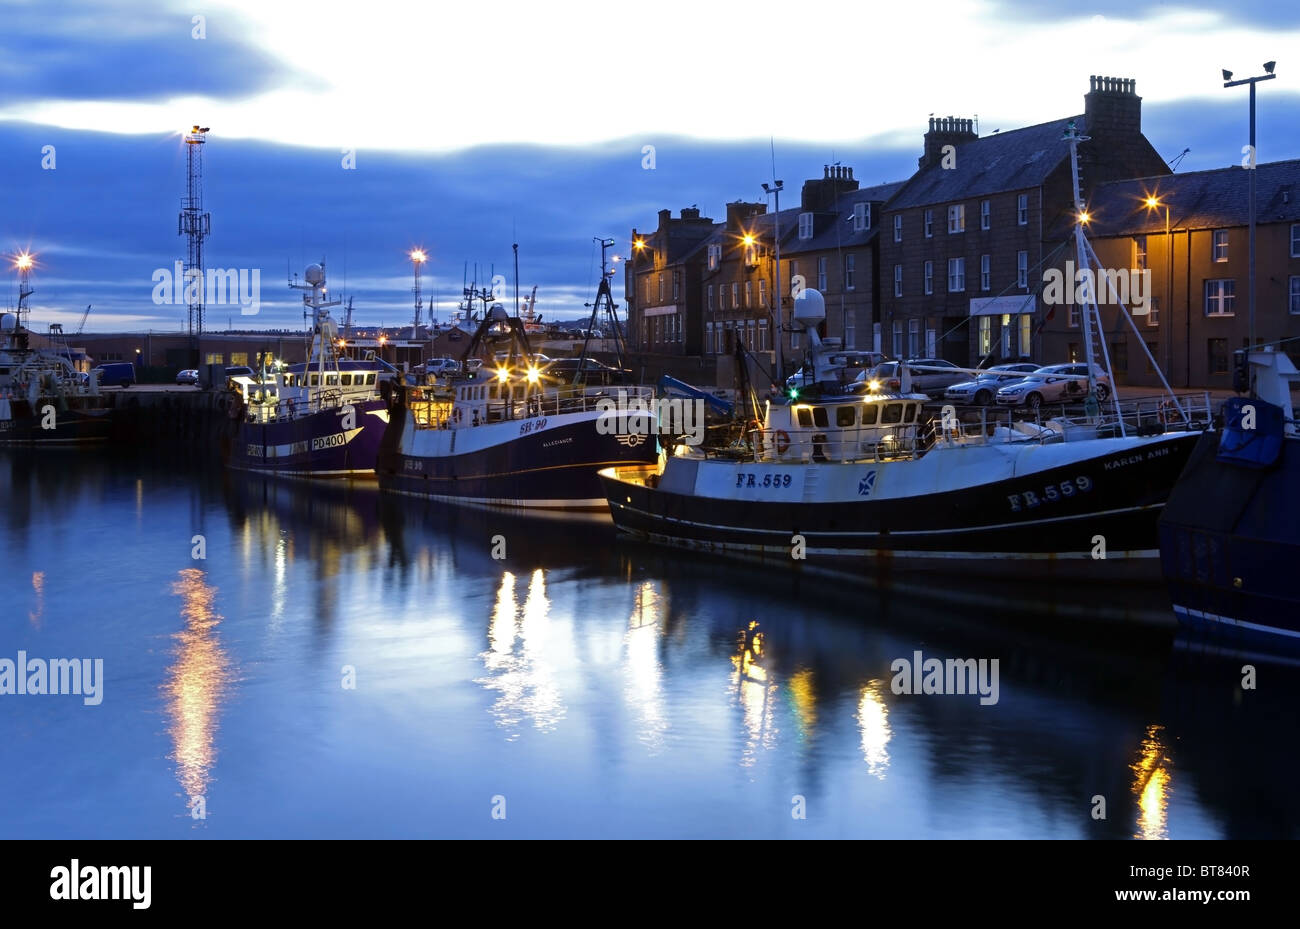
{"x":321,"y":418}
{"x":515,"y":435}
{"x":870,"y":483}
{"x":44,"y":400}
{"x":1228,"y":565}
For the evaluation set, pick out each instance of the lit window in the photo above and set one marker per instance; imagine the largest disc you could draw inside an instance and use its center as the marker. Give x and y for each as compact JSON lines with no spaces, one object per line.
{"x":986,"y":335}
{"x":715,"y":257}
{"x":1220,"y":297}
{"x":762,"y":293}
{"x":747,"y":293}
{"x":1140,"y":252}
{"x":957,"y":218}
{"x":735,"y":295}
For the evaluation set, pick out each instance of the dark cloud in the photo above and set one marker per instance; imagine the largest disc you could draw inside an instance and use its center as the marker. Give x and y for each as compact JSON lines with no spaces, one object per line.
{"x":127,"y":51}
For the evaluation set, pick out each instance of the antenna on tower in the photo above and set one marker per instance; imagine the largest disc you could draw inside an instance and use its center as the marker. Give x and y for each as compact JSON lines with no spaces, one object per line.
{"x":418,"y":258}
{"x":195,"y":225}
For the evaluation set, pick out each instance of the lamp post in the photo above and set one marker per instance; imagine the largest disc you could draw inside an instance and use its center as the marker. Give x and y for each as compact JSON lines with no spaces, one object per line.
{"x":1252,"y":81}
{"x":1153,"y":203}
{"x":778,"y":296}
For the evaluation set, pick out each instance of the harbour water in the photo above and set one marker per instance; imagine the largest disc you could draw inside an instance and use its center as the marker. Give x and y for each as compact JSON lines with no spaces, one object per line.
{"x":284,"y":659}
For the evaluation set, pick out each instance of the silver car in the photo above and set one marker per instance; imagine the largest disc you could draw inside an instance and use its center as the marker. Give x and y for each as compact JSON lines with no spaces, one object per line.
{"x":980,"y":389}
{"x":1066,"y":383}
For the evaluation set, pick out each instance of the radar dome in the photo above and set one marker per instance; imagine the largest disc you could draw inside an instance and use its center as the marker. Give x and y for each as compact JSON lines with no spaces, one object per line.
{"x":315,"y":274}
{"x":8,"y":322}
{"x":498,"y":312}
{"x":809,"y":308}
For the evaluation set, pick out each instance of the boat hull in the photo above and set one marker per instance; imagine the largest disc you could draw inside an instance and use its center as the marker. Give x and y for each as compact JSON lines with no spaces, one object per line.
{"x":1230,"y":542}
{"x":547,"y":462}
{"x":313,"y":445}
{"x":75,"y":424}
{"x":1085,"y":509}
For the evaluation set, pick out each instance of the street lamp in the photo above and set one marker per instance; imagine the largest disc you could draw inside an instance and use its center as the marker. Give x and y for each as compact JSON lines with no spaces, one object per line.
{"x":1252,"y":81}
{"x":774,"y":189}
{"x":1153,"y":203}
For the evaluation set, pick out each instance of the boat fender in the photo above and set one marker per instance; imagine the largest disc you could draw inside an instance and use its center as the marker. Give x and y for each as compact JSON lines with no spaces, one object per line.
{"x":782,"y":441}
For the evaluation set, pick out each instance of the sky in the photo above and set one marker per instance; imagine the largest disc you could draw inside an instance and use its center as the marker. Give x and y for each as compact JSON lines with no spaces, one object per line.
{"x":356,"y":132}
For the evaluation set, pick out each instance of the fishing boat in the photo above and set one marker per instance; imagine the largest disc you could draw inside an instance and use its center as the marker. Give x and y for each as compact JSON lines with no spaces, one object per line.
{"x":44,"y":400}
{"x":874,"y":481}
{"x":511,"y":434}
{"x":1228,"y":565}
{"x":320,"y":418}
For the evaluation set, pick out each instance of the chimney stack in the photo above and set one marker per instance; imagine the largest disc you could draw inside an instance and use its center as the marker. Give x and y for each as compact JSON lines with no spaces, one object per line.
{"x":1112,"y":107}
{"x":946,"y":130}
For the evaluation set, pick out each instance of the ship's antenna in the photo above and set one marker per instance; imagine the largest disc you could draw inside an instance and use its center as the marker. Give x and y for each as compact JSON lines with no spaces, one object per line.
{"x":195,"y":225}
{"x":516,"y":249}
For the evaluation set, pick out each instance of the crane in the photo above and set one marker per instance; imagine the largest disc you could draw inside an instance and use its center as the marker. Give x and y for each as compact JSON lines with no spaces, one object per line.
{"x":84,"y":317}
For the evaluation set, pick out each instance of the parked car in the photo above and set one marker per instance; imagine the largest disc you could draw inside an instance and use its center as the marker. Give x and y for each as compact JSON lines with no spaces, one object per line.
{"x":981,"y":389}
{"x":473,"y":364}
{"x":883,"y":377}
{"x":440,"y":367}
{"x":1067,"y":383}
{"x":934,"y":383}
{"x":563,"y":371}
{"x":240,"y":371}
{"x":119,"y":373}
{"x":188,"y":376}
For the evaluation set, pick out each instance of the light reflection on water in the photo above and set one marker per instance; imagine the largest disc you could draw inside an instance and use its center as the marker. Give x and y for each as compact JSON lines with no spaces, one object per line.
{"x":604,"y":687}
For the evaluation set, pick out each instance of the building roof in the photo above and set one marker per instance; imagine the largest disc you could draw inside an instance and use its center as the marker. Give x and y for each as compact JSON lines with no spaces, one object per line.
{"x":1213,"y":199}
{"x":839,"y":233}
{"x":992,"y":164}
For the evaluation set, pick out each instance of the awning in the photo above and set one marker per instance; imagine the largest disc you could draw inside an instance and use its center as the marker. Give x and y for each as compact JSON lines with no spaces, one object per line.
{"x":1013,"y":305}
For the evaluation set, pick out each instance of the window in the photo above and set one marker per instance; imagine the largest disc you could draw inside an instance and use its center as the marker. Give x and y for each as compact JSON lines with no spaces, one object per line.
{"x":710,"y":293}
{"x":1220,"y":297}
{"x":821,"y":274}
{"x":677,"y":286}
{"x":1022,"y":270}
{"x":762,"y":293}
{"x":898,"y":280}
{"x":850,"y":329}
{"x":1119,"y":356}
{"x":1219,"y":250}
{"x":956,"y":218}
{"x":913,"y":338}
{"x":898,"y":338}
{"x":898,"y":230}
{"x":1073,"y":321}
{"x":1153,"y":312}
{"x":861,"y":217}
{"x":805,"y":225}
{"x":1072,"y":351}
{"x":1026,"y":334}
{"x":762,"y":336}
{"x":661,"y":288}
{"x":715,"y":257}
{"x":735,"y":295}
{"x":794,"y":339}
{"x":239,"y":358}
{"x":930,"y":337}
{"x":748,"y":293}
{"x":722,"y":296}
{"x":709,"y":332}
{"x":1295,"y":240}
{"x":1005,"y":343}
{"x":1022,"y":209}
{"x":1295,"y":293}
{"x":986,"y":275}
{"x":849,"y":262}
{"x":929,"y":224}
{"x":956,"y":275}
{"x":1217,"y":355}
{"x":1140,"y":252}
{"x":985,"y":219}
{"x":876,"y":336}
{"x":929,"y":277}
{"x":212,"y":359}
{"x":846,"y":416}
{"x":986,"y":335}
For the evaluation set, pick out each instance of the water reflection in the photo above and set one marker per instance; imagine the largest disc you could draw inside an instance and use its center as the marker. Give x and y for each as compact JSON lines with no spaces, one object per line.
{"x":195,"y":687}
{"x":873,"y":723}
{"x":643,"y":669}
{"x":38,"y":586}
{"x":519,"y":668}
{"x":1151,"y":783}
{"x":755,"y":690}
